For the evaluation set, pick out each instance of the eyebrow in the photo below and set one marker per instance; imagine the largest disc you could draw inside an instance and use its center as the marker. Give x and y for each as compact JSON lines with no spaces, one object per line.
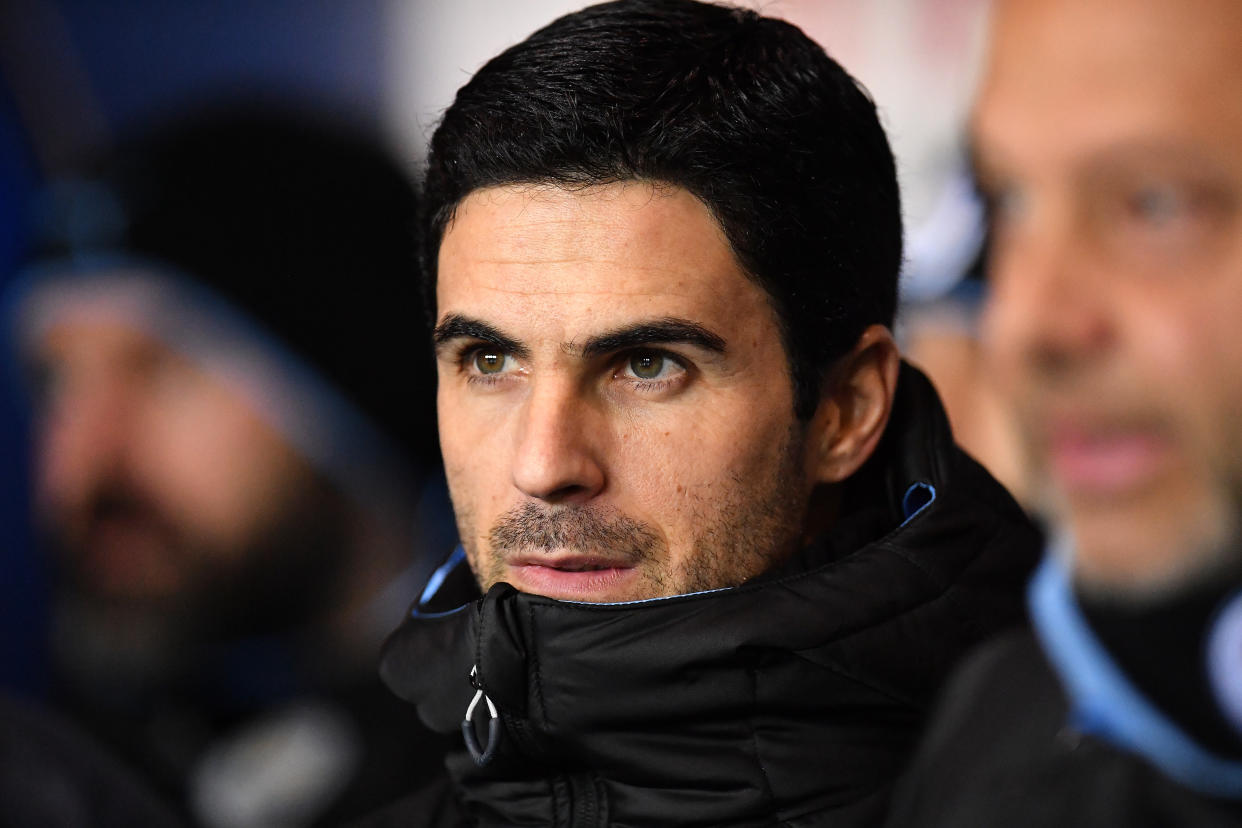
{"x":456,"y":326}
{"x":653,"y":332}
{"x":658,"y":331}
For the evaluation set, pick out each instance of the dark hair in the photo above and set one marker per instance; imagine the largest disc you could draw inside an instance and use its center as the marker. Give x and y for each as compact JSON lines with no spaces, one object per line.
{"x":743,"y":111}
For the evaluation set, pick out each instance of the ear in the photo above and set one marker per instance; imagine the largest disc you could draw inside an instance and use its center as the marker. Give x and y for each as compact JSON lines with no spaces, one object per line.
{"x":854,"y":407}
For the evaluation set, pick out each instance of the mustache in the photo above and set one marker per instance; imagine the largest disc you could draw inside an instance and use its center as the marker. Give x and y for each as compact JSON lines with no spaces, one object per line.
{"x":70,"y":527}
{"x":580,"y":529}
{"x":121,"y":502}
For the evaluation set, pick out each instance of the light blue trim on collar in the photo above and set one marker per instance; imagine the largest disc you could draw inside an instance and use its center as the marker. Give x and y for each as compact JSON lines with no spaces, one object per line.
{"x":1104,"y":704}
{"x":442,"y":572}
{"x":918,"y":497}
{"x":654,"y":600}
{"x":1224,"y":658}
{"x":435,"y":582}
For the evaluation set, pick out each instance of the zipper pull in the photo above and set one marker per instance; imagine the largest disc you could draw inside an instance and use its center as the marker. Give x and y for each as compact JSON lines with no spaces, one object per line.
{"x":481,"y":757}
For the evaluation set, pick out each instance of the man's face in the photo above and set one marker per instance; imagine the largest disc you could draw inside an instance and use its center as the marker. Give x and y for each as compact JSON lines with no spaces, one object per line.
{"x":1110,"y":142}
{"x":157,"y":484}
{"x":616,"y":409}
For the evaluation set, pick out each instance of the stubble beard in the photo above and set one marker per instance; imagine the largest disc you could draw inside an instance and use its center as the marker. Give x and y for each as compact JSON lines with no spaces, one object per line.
{"x":283,"y":579}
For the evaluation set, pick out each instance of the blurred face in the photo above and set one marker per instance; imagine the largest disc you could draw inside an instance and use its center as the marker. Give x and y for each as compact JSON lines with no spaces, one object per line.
{"x":1110,"y":143}
{"x":615,"y":403}
{"x":157,"y":483}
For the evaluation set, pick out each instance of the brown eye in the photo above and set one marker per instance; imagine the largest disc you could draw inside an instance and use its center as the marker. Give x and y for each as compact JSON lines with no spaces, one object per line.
{"x":647,"y":366}
{"x":1157,"y":205}
{"x":489,"y":362}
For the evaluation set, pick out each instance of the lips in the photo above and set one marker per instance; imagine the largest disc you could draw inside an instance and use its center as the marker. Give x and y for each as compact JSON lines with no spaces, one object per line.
{"x":571,"y":561}
{"x":572,"y":577}
{"x":1107,"y":461}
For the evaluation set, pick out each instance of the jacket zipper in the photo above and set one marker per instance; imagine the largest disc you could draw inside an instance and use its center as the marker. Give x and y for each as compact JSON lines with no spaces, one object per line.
{"x":574,"y":795}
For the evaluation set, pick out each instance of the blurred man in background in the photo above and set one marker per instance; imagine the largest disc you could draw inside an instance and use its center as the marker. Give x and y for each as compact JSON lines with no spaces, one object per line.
{"x":237,"y":477}
{"x":1109,"y":140}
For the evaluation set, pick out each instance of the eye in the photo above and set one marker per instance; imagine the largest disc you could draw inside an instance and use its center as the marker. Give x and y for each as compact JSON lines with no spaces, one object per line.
{"x":1157,"y":205}
{"x":49,"y":382}
{"x":646,"y":365}
{"x":652,"y":370}
{"x":1004,"y":206}
{"x":170,"y":374}
{"x":489,"y":361}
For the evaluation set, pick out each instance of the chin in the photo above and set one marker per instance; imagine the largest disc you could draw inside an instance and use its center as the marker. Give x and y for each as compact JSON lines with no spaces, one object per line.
{"x":1134,"y":557}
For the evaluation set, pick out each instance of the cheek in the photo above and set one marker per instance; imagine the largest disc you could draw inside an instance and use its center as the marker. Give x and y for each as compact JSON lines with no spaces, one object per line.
{"x":62,"y":475}
{"x":476,"y":447}
{"x":1209,"y":397}
{"x":663,"y":479}
{"x":999,"y":344}
{"x":463,"y":489}
{"x":1188,"y":351}
{"x":684,"y":470}
{"x":217,"y":467}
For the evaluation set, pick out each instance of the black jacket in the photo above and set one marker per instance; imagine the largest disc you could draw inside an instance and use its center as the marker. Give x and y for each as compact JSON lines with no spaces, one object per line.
{"x":792,"y":700}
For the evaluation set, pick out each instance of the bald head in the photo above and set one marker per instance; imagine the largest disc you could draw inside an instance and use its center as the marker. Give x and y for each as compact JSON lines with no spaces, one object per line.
{"x":1109,"y":141}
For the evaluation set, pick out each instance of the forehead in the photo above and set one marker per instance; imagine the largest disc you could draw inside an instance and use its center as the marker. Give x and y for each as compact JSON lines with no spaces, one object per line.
{"x":591,"y":254}
{"x":94,"y":339}
{"x":91,"y":327}
{"x":1067,"y":77}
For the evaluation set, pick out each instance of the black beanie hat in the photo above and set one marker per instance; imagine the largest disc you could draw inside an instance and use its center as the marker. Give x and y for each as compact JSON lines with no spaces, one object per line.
{"x":307,"y":229}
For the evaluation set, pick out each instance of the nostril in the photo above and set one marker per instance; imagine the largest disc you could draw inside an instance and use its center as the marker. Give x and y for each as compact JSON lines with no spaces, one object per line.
{"x":568,"y":493}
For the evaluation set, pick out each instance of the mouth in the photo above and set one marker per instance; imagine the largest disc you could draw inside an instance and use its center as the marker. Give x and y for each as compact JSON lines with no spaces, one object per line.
{"x":571,"y":577}
{"x":1107,"y":462}
{"x":125,"y":555}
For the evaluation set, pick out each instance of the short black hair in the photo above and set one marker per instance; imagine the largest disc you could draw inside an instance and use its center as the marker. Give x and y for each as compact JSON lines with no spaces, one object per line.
{"x":745,"y":112}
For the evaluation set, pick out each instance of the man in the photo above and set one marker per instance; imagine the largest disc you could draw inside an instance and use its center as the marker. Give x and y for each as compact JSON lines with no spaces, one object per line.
{"x":1109,"y":140}
{"x":236,"y":491}
{"x":728,"y":547}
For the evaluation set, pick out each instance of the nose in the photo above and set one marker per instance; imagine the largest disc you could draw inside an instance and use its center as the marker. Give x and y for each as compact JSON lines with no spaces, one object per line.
{"x":558,"y":457}
{"x":1048,"y":310}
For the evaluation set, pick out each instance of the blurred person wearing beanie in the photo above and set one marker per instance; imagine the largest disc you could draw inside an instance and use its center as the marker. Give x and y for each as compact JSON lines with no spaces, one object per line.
{"x":237,"y":475}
